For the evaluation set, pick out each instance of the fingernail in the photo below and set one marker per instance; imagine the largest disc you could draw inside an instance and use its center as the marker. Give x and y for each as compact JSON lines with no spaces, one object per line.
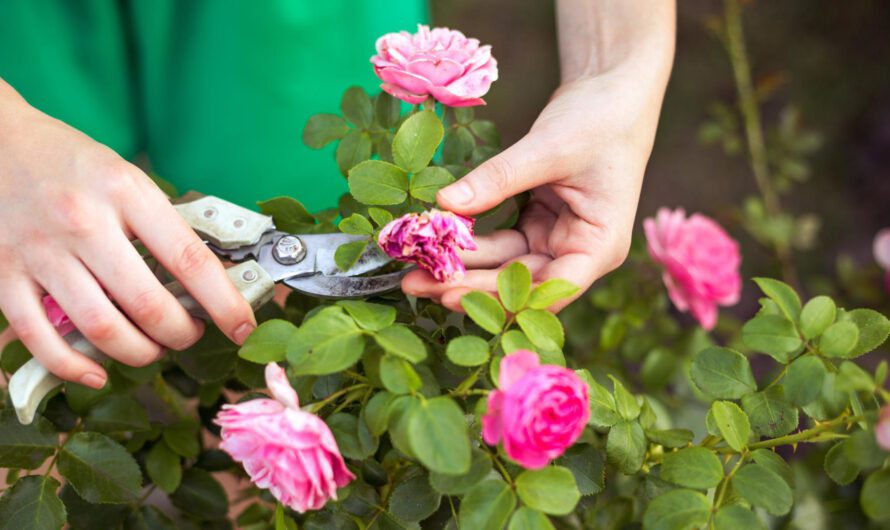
{"x":459,"y":193}
{"x":242,"y":332}
{"x":92,"y":380}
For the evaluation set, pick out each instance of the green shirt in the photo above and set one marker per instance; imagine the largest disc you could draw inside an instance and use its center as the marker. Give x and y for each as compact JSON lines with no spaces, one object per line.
{"x":215,"y":92}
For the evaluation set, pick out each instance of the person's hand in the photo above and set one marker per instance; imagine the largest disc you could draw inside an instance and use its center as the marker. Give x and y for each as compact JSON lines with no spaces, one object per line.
{"x":583,"y":161}
{"x":70,"y":207}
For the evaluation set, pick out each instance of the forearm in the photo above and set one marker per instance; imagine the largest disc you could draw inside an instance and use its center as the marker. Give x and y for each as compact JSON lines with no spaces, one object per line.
{"x":596,"y":36}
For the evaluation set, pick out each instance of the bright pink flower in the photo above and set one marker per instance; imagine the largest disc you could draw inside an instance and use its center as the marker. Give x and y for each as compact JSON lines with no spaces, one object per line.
{"x":57,"y":316}
{"x":290,"y":452}
{"x":701,"y":262}
{"x":881,"y":249}
{"x":431,"y":240}
{"x":882,"y":429}
{"x":441,"y":63}
{"x":538,"y":411}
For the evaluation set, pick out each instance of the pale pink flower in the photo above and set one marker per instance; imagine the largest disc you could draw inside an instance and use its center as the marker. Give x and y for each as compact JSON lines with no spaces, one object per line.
{"x":441,"y":63}
{"x":701,"y":262}
{"x":882,"y":429}
{"x":290,"y":452}
{"x":431,"y":240}
{"x":881,"y":247}
{"x":538,"y":411}
{"x":57,"y":316}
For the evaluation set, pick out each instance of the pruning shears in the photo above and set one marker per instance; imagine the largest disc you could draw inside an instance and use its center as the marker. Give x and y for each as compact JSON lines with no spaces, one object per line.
{"x":264,"y":256}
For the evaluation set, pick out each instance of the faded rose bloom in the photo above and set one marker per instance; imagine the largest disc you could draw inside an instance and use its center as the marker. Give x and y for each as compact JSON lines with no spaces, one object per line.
{"x":290,"y":452}
{"x":882,"y":429}
{"x":57,"y":316}
{"x":431,"y":240}
{"x":881,"y":248}
{"x":538,"y":411}
{"x":701,"y":262}
{"x":441,"y":63}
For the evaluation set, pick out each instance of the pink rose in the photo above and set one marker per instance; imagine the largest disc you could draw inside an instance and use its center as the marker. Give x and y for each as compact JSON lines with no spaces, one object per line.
{"x":57,"y":316}
{"x":882,"y":429}
{"x":881,"y":249}
{"x":701,"y":262}
{"x":290,"y":452}
{"x":431,"y":240}
{"x":538,"y":411}
{"x":441,"y":63}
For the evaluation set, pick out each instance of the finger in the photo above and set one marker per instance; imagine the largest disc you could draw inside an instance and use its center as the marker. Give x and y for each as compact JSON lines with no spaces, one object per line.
{"x":93,"y":314}
{"x":180,"y":251}
{"x":422,"y":284}
{"x":121,"y":270}
{"x":451,"y":298}
{"x":579,"y":269}
{"x":495,"y":249}
{"x":20,"y":303}
{"x":523,"y":166}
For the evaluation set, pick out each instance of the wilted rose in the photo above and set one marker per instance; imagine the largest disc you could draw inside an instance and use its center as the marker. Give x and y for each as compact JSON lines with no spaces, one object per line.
{"x":431,"y":240}
{"x":441,"y":63}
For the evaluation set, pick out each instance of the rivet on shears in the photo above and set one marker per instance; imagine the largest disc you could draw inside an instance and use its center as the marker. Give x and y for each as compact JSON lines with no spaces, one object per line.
{"x":239,"y":222}
{"x":210,"y":213}
{"x":249,"y":275}
{"x":289,"y":250}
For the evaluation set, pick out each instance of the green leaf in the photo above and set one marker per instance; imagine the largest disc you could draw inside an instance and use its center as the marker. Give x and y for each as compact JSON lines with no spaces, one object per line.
{"x":201,"y":496}
{"x":463,"y":115}
{"x":763,"y":488}
{"x":816,"y":316}
{"x":427,"y":182}
{"x":677,"y":510}
{"x":603,"y":409}
{"x":437,"y":433}
{"x":182,"y":437}
{"x":322,"y":129}
{"x":25,"y":446}
{"x":458,"y":146}
{"x":852,"y":378}
{"x":775,"y":463}
{"x":551,"y":490}
{"x":873,"y":330}
{"x":487,"y":505}
{"x":862,"y":449}
{"x":839,"y":339}
{"x":163,"y":467}
{"x":831,"y":401}
{"x":268,"y":342}
{"x":211,"y":359}
{"x":398,"y":376}
{"x":380,"y":216}
{"x":401,"y":341}
{"x":289,"y":214}
{"x":468,"y":351}
{"x":347,"y":431}
{"x":32,"y":503}
{"x":99,"y":469}
{"x":588,"y":467}
{"x":387,"y":110}
{"x":783,"y":295}
{"x":772,"y":334}
{"x":377,"y":412}
{"x":515,"y":339}
{"x":416,"y":141}
{"x":551,"y":291}
{"x":487,"y":132}
{"x":626,"y":447}
{"x":356,"y":107}
{"x":3,"y":322}
{"x":356,"y":224}
{"x":803,"y":381}
{"x":626,"y":403}
{"x":838,"y":467}
{"x":873,"y":498}
{"x":770,"y":412}
{"x":737,"y":517}
{"x":14,"y":355}
{"x":378,"y":183}
{"x":542,"y":328}
{"x":696,"y":467}
{"x":527,"y":519}
{"x":723,"y":373}
{"x":117,"y":414}
{"x":412,"y":498}
{"x":372,"y":317}
{"x":732,"y":423}
{"x":514,"y":286}
{"x":149,"y":518}
{"x":82,"y":515}
{"x":348,"y":254}
{"x":671,"y":438}
{"x":480,"y":467}
{"x":326,"y":343}
{"x":485,"y":311}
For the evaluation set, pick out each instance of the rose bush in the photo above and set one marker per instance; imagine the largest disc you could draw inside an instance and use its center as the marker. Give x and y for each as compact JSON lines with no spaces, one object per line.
{"x":395,"y":413}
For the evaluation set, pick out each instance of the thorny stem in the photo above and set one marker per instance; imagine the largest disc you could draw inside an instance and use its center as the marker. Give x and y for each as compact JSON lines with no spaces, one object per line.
{"x":800,"y":436}
{"x":318,"y":405}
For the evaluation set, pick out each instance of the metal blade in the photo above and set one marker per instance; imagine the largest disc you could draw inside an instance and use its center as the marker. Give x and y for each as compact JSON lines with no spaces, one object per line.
{"x":346,"y":286}
{"x":319,"y":258}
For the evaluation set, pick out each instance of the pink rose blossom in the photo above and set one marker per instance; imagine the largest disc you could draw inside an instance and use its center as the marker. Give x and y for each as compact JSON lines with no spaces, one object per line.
{"x":882,"y":429}
{"x":290,"y":452}
{"x":538,"y":411}
{"x":881,"y":249}
{"x":431,"y":240}
{"x":701,"y":262}
{"x":57,"y":316}
{"x":441,"y":63}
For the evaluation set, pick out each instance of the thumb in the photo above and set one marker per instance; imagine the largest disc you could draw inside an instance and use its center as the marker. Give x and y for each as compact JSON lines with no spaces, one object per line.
{"x":519,"y":168}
